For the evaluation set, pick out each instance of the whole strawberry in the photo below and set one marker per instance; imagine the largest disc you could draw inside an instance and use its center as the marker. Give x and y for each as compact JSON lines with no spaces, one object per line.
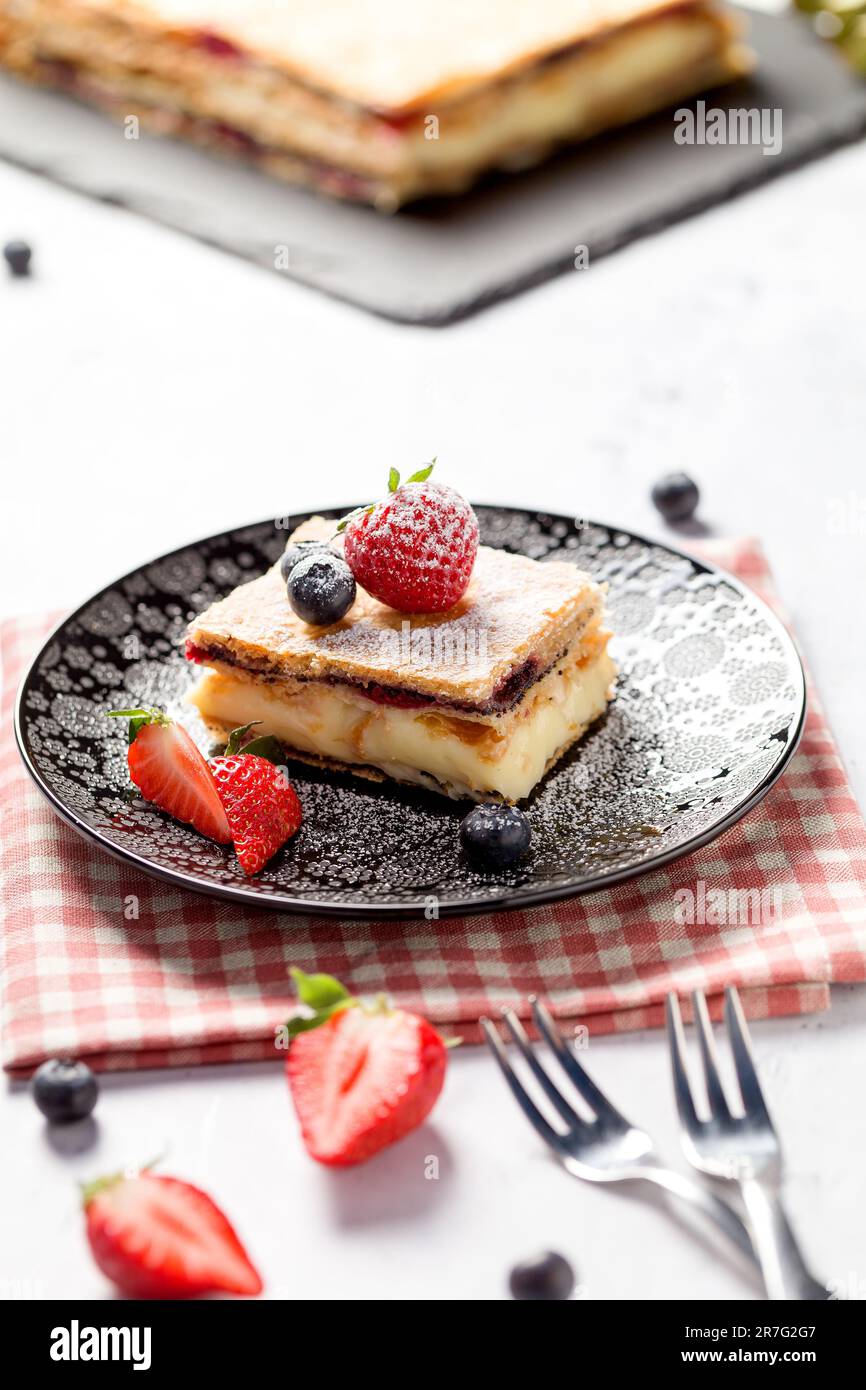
{"x":159,"y":1237}
{"x":260,"y":803}
{"x":362,"y":1076}
{"x":415,"y":550}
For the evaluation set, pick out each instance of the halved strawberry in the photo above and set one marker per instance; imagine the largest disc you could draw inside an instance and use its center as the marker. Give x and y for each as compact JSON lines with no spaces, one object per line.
{"x":361,"y":1076}
{"x":261,"y":805}
{"x":260,"y":802}
{"x":168,"y":770}
{"x":159,"y":1237}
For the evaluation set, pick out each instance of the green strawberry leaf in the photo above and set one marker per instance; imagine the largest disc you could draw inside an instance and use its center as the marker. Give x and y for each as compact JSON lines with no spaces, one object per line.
{"x":92,"y":1189}
{"x":236,"y":738}
{"x":423,"y":473}
{"x":318,"y":991}
{"x":321,"y":993}
{"x":353,"y":516}
{"x":267,"y":747}
{"x":138,"y":718}
{"x":393,"y":483}
{"x":306,"y":1023}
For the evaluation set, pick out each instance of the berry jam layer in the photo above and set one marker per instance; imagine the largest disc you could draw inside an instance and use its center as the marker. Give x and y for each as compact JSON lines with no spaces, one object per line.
{"x":506,"y":695}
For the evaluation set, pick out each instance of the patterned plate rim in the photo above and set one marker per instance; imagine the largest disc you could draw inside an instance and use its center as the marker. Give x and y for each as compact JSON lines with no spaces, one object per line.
{"x":519,"y":898}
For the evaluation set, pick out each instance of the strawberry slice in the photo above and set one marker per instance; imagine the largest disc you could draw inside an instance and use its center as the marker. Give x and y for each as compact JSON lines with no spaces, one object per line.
{"x":159,"y":1237}
{"x":168,"y":770}
{"x":260,"y":802}
{"x":361,"y":1076}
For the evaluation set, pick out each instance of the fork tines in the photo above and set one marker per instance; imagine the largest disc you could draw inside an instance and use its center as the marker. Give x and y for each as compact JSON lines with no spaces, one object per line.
{"x":562,"y":1054}
{"x":751,"y":1095}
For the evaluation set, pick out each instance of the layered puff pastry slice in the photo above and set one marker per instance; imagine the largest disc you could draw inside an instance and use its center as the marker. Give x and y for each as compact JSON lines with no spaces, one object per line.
{"x":474,"y":703}
{"x":378,"y":101}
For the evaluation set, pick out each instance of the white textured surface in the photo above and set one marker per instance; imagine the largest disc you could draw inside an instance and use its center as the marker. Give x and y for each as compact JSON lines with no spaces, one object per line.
{"x":156,"y":391}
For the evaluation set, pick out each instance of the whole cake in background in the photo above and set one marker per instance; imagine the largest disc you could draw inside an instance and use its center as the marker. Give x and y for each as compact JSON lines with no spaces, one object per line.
{"x":377,"y":101}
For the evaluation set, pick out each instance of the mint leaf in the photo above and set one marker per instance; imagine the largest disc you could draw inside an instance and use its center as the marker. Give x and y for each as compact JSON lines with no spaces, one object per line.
{"x":393,"y":480}
{"x":236,"y":738}
{"x":423,"y":473}
{"x":318,"y":991}
{"x":266,"y":747}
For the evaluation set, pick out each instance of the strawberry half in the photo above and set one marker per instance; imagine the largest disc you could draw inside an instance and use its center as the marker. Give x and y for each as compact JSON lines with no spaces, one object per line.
{"x":159,"y":1237}
{"x":260,"y":803}
{"x":361,"y":1077}
{"x":169,"y":770}
{"x":415,"y":550}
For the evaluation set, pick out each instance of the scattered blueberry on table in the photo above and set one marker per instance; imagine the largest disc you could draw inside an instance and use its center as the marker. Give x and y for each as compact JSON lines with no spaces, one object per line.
{"x":498,"y":836}
{"x":321,"y":588}
{"x":298,"y":550}
{"x":64,"y":1090}
{"x":18,"y":256}
{"x":676,"y":496}
{"x":543,"y":1277}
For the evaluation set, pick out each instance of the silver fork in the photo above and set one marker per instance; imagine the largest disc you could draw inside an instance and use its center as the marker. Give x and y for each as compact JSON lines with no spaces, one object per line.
{"x":740,"y":1147}
{"x":608,"y":1148}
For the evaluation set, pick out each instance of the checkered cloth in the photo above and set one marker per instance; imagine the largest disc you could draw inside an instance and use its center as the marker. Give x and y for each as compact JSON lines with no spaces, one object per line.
{"x":196,"y":980}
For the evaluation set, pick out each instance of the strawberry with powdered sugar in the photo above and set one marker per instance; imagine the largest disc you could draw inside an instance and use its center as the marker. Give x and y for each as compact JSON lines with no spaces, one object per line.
{"x":415,"y":549}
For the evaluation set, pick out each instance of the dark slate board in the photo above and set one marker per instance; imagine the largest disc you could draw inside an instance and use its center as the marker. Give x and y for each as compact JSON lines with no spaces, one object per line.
{"x":437,"y":263}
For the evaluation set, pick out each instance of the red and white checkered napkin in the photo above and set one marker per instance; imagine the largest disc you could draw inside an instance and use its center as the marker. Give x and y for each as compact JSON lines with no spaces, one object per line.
{"x":197,"y":980}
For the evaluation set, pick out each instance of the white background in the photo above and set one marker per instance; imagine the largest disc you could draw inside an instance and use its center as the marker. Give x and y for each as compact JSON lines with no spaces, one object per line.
{"x":154,"y":391}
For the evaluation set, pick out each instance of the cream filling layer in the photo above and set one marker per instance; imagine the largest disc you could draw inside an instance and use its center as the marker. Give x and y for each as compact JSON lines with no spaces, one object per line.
{"x":502,"y":758}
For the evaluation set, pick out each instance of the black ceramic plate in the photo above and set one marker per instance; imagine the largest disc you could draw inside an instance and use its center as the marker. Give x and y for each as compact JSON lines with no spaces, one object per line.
{"x":709,"y":709}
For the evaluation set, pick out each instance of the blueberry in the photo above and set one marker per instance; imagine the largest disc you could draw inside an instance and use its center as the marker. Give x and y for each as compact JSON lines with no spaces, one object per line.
{"x":64,"y":1090}
{"x":17,"y":255}
{"x":543,"y":1276}
{"x":298,"y":550}
{"x":321,"y":588}
{"x":676,"y":497}
{"x":498,"y":835}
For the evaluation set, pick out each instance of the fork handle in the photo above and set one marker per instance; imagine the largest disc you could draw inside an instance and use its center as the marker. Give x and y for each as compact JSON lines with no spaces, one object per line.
{"x":785,"y":1272}
{"x":718,"y":1211}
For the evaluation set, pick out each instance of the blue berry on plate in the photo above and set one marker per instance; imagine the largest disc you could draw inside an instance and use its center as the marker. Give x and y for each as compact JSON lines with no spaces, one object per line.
{"x":321,"y":588}
{"x":676,"y":496}
{"x":546,"y":1276}
{"x":497,"y":835}
{"x":64,"y":1090}
{"x":17,"y":254}
{"x":298,"y":550}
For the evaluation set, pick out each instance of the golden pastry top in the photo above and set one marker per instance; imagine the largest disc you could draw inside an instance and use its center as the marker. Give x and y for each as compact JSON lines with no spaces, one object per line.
{"x":517,"y":616}
{"x":388,"y":55}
